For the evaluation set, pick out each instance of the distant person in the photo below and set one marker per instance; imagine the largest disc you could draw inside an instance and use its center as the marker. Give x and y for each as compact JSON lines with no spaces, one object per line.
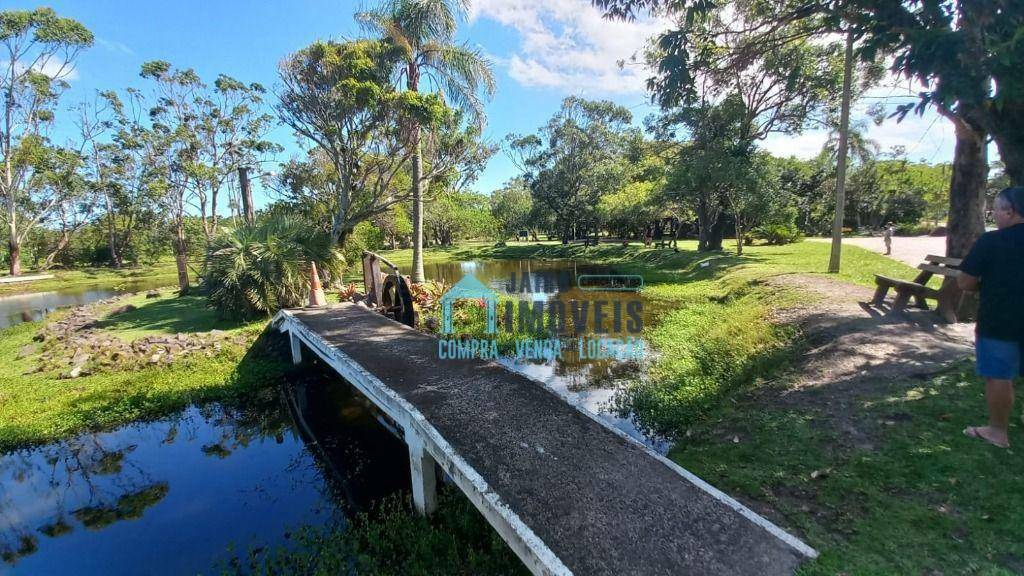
{"x":890,"y":229}
{"x":996,"y":264}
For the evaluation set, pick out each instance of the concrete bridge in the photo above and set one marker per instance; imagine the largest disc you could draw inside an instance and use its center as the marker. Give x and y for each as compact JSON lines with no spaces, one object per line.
{"x":567,"y":492}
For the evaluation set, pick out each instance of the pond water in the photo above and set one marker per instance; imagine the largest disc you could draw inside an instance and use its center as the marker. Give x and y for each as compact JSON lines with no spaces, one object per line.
{"x":173,"y":495}
{"x":19,"y":308}
{"x":185,"y":493}
{"x":590,"y":383}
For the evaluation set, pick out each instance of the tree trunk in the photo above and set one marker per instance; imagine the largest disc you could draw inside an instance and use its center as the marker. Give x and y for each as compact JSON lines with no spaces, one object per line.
{"x":844,"y":130}
{"x":15,"y":250}
{"x":1011,"y":151}
{"x":115,"y":254}
{"x":966,"y":214}
{"x":417,"y":208}
{"x":13,"y":243}
{"x":181,"y":259}
{"x":65,"y":239}
{"x":246,"y":193}
{"x":967,"y":190}
{"x":717,"y":234}
{"x":708,"y":213}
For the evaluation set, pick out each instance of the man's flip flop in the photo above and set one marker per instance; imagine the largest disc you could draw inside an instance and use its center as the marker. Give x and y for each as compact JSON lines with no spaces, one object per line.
{"x":972,"y":432}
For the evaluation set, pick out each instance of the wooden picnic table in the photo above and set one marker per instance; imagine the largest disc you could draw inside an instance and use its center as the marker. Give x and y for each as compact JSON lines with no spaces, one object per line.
{"x":947,"y":296}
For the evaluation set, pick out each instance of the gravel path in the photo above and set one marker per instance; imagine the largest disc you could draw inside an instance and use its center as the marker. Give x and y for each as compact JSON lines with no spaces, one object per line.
{"x":910,"y":250}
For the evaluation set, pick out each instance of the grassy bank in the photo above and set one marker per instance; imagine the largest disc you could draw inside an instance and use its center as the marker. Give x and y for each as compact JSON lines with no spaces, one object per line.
{"x":911,"y":496}
{"x":713,"y":334}
{"x":917,"y":497}
{"x":42,"y":405}
{"x":158,"y":274}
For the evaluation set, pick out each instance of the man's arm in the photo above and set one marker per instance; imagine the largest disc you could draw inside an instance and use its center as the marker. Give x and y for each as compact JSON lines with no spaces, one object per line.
{"x":972,"y":269}
{"x":967,"y":283}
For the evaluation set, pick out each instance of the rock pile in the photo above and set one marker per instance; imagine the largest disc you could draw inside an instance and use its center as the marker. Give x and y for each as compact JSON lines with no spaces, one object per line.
{"x":76,"y":345}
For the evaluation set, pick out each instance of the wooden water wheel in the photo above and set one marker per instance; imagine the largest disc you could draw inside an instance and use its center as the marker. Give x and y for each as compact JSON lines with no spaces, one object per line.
{"x":396,"y":300}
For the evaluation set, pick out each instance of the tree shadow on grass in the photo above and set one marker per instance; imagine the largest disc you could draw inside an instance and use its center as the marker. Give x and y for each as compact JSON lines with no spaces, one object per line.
{"x":170,"y":315}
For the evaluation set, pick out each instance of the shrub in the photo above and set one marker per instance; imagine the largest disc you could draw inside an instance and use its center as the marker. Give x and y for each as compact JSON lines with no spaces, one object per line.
{"x":913,"y":229}
{"x":778,"y":234}
{"x":255,"y":269}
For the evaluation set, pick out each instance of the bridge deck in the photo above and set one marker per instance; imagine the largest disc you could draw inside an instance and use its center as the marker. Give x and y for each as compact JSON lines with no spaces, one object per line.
{"x":579,"y":497}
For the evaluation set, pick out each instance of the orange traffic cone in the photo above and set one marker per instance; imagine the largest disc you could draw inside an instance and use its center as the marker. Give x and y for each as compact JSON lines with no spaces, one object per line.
{"x":316,"y":290}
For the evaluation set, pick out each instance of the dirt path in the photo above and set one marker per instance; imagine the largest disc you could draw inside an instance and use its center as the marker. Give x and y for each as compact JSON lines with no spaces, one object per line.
{"x":910,"y":250}
{"x":856,"y":353}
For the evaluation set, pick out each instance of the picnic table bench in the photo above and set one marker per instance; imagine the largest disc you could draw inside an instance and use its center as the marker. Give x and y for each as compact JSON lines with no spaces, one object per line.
{"x":919,"y":290}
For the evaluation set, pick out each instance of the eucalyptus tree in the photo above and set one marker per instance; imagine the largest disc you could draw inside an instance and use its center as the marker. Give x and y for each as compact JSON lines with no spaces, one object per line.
{"x":124,"y":162}
{"x":338,"y":97}
{"x":38,"y":50}
{"x":172,"y":135}
{"x":231,"y":129}
{"x":578,"y":157}
{"x":511,"y":206}
{"x":423,"y":34}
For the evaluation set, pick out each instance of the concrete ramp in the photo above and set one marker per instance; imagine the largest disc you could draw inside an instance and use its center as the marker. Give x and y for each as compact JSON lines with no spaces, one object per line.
{"x":568,"y":493}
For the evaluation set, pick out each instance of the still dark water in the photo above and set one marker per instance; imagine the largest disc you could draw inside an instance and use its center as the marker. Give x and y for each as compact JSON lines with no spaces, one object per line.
{"x":172,"y":496}
{"x":183,"y":494}
{"x":19,"y":308}
{"x":545,"y":276}
{"x":591,"y":384}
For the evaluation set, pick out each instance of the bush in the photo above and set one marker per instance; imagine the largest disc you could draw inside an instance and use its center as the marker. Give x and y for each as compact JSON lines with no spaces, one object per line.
{"x":913,"y":229}
{"x":778,"y":234}
{"x":255,"y":269}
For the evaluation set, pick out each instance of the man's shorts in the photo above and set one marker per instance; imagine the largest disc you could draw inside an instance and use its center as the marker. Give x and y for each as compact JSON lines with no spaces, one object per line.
{"x":999,"y":359}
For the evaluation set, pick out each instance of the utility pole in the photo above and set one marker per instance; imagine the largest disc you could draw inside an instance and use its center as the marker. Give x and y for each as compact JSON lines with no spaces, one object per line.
{"x":844,"y":130}
{"x":246,"y":191}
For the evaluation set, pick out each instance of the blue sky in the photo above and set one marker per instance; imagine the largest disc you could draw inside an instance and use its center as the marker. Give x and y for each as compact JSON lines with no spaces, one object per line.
{"x":543,"y":50}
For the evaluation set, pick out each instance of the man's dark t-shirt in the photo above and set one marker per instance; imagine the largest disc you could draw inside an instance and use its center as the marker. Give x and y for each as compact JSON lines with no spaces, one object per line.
{"x":997,"y":258}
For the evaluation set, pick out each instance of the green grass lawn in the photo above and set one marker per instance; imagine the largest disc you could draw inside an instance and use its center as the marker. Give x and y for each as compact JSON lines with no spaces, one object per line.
{"x":39,"y":406}
{"x":920,"y":499}
{"x":923,"y":499}
{"x":168,"y":314}
{"x":158,"y":274}
{"x":713,"y":333}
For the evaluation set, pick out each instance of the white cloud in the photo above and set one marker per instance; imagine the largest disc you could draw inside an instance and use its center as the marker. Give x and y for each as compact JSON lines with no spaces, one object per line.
{"x":114,"y":46}
{"x":53,"y":68}
{"x":928,"y":137}
{"x":567,"y":45}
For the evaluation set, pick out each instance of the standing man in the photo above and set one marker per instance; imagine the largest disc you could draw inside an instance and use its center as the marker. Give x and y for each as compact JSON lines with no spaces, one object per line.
{"x":996,"y":264}
{"x":890,"y":229}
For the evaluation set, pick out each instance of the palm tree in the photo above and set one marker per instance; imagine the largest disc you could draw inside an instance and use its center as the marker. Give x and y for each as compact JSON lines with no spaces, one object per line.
{"x":423,"y":33}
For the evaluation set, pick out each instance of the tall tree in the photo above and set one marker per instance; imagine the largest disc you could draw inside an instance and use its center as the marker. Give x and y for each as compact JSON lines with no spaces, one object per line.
{"x":39,"y":51}
{"x":714,"y":55}
{"x":578,"y":157}
{"x":173,"y":135}
{"x":423,"y":33}
{"x":339,"y":98}
{"x":129,"y":172}
{"x":230,"y":129}
{"x":511,"y":206}
{"x":710,"y":163}
{"x":966,"y":54}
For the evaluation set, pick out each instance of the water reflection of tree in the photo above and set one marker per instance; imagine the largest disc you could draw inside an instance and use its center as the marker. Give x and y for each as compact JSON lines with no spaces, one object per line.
{"x":91,"y":474}
{"x":93,"y":479}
